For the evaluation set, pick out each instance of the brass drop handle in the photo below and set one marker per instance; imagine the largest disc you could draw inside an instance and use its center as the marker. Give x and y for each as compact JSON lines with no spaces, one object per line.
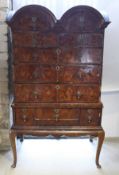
{"x":89,"y":119}
{"x":35,"y":94}
{"x":56,"y":115}
{"x":24,"y":117}
{"x":98,"y":74}
{"x":80,"y":75}
{"x":78,"y":95}
{"x":35,"y":74}
{"x":33,"y":18}
{"x":37,"y":119}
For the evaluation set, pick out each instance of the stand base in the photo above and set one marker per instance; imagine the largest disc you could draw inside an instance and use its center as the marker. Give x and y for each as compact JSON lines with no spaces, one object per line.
{"x":57,"y":133}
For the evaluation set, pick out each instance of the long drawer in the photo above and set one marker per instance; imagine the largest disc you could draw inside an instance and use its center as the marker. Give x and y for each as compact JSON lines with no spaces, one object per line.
{"x":57,"y":73}
{"x":36,"y":39}
{"x":56,"y":93}
{"x":60,"y":55}
{"x":56,"y":116}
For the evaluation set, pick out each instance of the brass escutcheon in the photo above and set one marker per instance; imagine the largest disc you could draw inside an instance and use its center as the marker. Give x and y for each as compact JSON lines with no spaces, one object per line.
{"x":57,"y":87}
{"x":78,"y":94}
{"x":57,"y":68}
{"x":58,"y":51}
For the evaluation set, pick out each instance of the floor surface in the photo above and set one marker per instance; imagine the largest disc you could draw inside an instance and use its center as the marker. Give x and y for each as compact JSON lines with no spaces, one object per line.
{"x":61,"y":157}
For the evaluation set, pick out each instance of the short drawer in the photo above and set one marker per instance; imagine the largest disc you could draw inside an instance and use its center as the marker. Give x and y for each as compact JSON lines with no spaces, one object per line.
{"x":35,"y":55}
{"x":34,"y":73}
{"x":35,"y":93}
{"x":34,"y":39}
{"x":23,"y":117}
{"x":90,"y":117}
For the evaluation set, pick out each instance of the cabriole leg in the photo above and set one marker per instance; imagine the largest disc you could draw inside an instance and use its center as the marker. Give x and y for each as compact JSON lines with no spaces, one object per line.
{"x":12,"y":136}
{"x":101,"y":136}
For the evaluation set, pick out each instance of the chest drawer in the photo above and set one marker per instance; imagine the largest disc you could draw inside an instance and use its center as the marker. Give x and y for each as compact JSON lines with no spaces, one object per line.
{"x":35,"y":93}
{"x":82,"y":40}
{"x":34,"y":39}
{"x":79,"y":74}
{"x":56,"y":93}
{"x":57,"y":116}
{"x":37,"y":55}
{"x":46,"y":116}
{"x":35,"y":73}
{"x":58,"y":73}
{"x":90,"y":117}
{"x":78,"y":93}
{"x":77,"y":55}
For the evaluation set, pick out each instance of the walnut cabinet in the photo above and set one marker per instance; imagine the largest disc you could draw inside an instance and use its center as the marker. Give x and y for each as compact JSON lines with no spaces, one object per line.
{"x":56,"y":72}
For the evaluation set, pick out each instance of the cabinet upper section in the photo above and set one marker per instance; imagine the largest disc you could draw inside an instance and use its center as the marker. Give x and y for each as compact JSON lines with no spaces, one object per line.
{"x":38,"y":18}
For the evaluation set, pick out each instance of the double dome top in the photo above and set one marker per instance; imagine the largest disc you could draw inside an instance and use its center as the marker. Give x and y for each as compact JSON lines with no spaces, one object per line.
{"x":76,"y":19}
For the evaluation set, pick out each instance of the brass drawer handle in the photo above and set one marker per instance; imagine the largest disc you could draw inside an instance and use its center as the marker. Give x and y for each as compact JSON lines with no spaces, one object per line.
{"x":35,"y":94}
{"x":24,"y":117}
{"x":56,"y":110}
{"x":56,"y":116}
{"x":89,"y":119}
{"x":57,"y":87}
{"x":35,"y":74}
{"x":99,"y":114}
{"x":33,"y":18}
{"x":78,"y":95}
{"x":80,"y":75}
{"x":37,"y":119}
{"x":98,"y":74}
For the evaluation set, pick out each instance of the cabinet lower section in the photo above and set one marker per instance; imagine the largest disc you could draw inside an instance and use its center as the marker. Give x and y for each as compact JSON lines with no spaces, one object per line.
{"x":57,"y":132}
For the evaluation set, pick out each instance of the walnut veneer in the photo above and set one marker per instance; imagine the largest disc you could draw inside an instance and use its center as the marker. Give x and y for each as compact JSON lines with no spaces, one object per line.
{"x":56,"y":71}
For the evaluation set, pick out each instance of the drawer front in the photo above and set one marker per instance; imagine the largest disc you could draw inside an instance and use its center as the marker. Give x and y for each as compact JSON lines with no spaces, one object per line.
{"x":63,"y":74}
{"x":35,"y":73}
{"x":23,"y":117}
{"x":78,"y":94}
{"x":57,"y":116}
{"x":87,"y":40}
{"x":35,"y":93}
{"x":80,"y":55}
{"x":56,"y":93}
{"x":42,"y":56}
{"x":46,"y":116}
{"x":90,"y":117}
{"x":52,"y":55}
{"x":79,"y":74}
{"x":34,"y":39}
